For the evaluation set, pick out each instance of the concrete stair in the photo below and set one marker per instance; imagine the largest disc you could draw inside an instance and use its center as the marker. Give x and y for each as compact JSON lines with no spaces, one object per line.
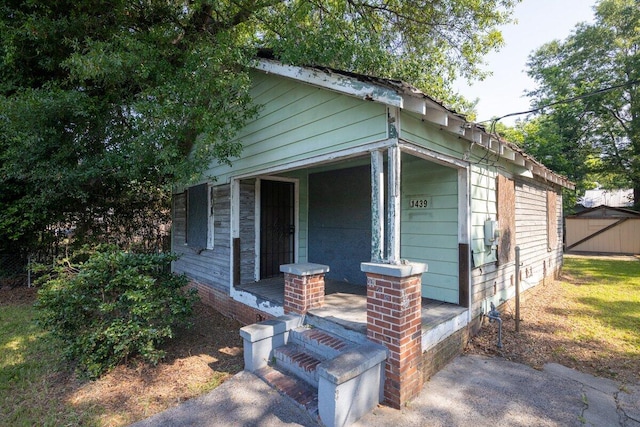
{"x":336,"y":375}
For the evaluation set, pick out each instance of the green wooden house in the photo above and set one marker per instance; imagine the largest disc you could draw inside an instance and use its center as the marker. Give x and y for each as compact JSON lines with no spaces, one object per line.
{"x":341,"y":174}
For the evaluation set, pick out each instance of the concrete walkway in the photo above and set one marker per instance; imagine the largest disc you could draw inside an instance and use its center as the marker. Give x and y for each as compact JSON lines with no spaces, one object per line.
{"x":471,"y":390}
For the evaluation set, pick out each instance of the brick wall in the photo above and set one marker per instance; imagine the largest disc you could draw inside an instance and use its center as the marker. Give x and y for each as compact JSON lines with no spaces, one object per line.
{"x":226,"y":305}
{"x":446,"y":350}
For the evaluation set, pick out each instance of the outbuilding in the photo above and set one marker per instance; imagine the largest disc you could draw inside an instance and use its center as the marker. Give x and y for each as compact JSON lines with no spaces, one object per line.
{"x":604,"y":229}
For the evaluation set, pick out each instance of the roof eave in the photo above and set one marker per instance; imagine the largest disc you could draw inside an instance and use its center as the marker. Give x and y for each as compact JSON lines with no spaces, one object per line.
{"x":398,"y":94}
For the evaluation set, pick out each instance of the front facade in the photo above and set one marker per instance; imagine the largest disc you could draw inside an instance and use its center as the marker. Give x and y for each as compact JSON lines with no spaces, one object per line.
{"x":341,"y":170}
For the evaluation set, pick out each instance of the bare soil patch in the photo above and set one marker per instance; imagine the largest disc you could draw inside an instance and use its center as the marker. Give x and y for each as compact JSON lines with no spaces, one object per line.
{"x":198,"y":360}
{"x":17,"y":295}
{"x":545,"y":315}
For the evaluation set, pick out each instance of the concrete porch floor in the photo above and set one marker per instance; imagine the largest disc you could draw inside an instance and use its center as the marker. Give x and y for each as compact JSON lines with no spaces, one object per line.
{"x":346,"y":304}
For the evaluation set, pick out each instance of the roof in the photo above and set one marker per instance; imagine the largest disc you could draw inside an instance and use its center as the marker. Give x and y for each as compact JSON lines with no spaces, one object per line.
{"x":400,"y":94}
{"x":612,"y":198}
{"x":604,"y":211}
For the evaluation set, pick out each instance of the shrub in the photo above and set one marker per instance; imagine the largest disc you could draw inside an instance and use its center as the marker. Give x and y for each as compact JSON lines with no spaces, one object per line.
{"x":114,"y":305}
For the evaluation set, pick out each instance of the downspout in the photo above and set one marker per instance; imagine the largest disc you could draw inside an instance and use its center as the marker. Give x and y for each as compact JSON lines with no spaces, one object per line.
{"x":495,"y":315}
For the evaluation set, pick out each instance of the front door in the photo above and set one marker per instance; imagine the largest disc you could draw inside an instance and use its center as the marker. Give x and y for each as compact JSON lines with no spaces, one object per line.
{"x":277,"y":226}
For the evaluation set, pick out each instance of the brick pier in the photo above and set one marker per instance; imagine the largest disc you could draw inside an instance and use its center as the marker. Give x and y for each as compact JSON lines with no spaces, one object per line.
{"x":394,"y":320}
{"x":303,"y":286}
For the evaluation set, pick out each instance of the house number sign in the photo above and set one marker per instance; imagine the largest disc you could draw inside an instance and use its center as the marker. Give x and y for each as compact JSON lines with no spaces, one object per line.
{"x":418,"y":203}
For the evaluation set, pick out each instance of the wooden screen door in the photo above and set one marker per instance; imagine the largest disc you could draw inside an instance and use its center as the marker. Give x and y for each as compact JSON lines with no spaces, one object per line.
{"x":277,"y":226}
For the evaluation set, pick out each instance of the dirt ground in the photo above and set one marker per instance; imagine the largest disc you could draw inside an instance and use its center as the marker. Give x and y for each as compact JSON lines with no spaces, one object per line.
{"x":544,"y":315}
{"x":201,"y":358}
{"x":211,"y":351}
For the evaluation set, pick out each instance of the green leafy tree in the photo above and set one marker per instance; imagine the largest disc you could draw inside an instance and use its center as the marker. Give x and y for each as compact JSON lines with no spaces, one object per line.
{"x":591,"y":81}
{"x":549,"y":139}
{"x":104,"y":104}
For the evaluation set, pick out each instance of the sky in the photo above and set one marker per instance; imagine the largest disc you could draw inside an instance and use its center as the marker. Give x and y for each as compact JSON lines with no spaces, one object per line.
{"x":539,"y":22}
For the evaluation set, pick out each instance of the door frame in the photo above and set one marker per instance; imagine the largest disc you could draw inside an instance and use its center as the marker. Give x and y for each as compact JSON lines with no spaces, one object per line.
{"x":296,"y":218}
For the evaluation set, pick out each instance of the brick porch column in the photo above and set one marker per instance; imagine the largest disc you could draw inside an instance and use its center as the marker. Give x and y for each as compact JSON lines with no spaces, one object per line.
{"x":394,"y":320}
{"x":303,"y":286}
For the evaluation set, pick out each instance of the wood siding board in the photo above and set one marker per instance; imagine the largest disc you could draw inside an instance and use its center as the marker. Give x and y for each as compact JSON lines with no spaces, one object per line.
{"x":302,"y":123}
{"x":446,"y":295}
{"x":415,"y":130}
{"x":210,"y":267}
{"x":432,"y":242}
{"x":431,"y":235}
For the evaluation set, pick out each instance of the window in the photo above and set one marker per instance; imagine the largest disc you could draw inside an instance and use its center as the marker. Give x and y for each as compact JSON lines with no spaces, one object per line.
{"x":199,"y":213}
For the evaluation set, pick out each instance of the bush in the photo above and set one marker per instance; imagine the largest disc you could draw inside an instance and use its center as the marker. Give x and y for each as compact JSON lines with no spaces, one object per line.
{"x":113,"y":306}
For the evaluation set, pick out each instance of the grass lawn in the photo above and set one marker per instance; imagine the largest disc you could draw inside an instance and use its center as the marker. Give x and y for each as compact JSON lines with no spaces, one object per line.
{"x":30,"y":369}
{"x":606,"y":309}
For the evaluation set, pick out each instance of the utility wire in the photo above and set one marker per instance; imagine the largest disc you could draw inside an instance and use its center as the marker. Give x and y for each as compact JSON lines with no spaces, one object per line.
{"x":563,"y":101}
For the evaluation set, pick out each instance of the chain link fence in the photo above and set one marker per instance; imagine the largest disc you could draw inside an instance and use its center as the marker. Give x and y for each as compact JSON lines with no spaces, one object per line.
{"x":13,"y":270}
{"x":16,"y":269}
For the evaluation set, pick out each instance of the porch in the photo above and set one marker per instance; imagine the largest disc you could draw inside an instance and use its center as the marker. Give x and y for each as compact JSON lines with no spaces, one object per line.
{"x":345,"y":304}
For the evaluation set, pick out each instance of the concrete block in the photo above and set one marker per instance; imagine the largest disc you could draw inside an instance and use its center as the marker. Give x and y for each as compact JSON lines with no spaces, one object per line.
{"x":394,"y":270}
{"x":352,"y":363}
{"x":351,"y":385}
{"x":269,"y":328}
{"x":343,"y":404}
{"x":261,"y":338}
{"x":304,"y":269}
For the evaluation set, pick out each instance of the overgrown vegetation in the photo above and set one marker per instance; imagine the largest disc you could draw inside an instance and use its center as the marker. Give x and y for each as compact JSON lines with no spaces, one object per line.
{"x":113,"y":306}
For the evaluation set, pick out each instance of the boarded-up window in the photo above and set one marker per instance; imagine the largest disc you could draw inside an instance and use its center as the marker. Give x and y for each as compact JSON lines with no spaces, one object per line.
{"x":506,"y":219}
{"x":198,"y":216}
{"x":552,"y":219}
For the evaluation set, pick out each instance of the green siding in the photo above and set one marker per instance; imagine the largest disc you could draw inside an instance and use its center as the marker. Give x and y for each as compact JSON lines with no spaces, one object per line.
{"x":430,"y":235}
{"x":427,"y":135}
{"x":298,"y":121}
{"x":483,"y":207}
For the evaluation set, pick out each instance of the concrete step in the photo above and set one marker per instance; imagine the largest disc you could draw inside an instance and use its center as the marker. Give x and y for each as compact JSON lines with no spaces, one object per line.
{"x":299,"y":361}
{"x":300,"y":392}
{"x":331,"y":371}
{"x":320,"y":342}
{"x":345,"y":330}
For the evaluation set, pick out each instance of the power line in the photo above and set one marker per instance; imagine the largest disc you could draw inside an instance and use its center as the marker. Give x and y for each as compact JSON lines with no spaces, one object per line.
{"x":563,"y":101}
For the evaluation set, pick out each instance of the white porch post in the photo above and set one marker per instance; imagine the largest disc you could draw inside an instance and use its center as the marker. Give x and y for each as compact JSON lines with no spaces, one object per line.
{"x":393,"y":248}
{"x":234,"y":195}
{"x":377,"y":206}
